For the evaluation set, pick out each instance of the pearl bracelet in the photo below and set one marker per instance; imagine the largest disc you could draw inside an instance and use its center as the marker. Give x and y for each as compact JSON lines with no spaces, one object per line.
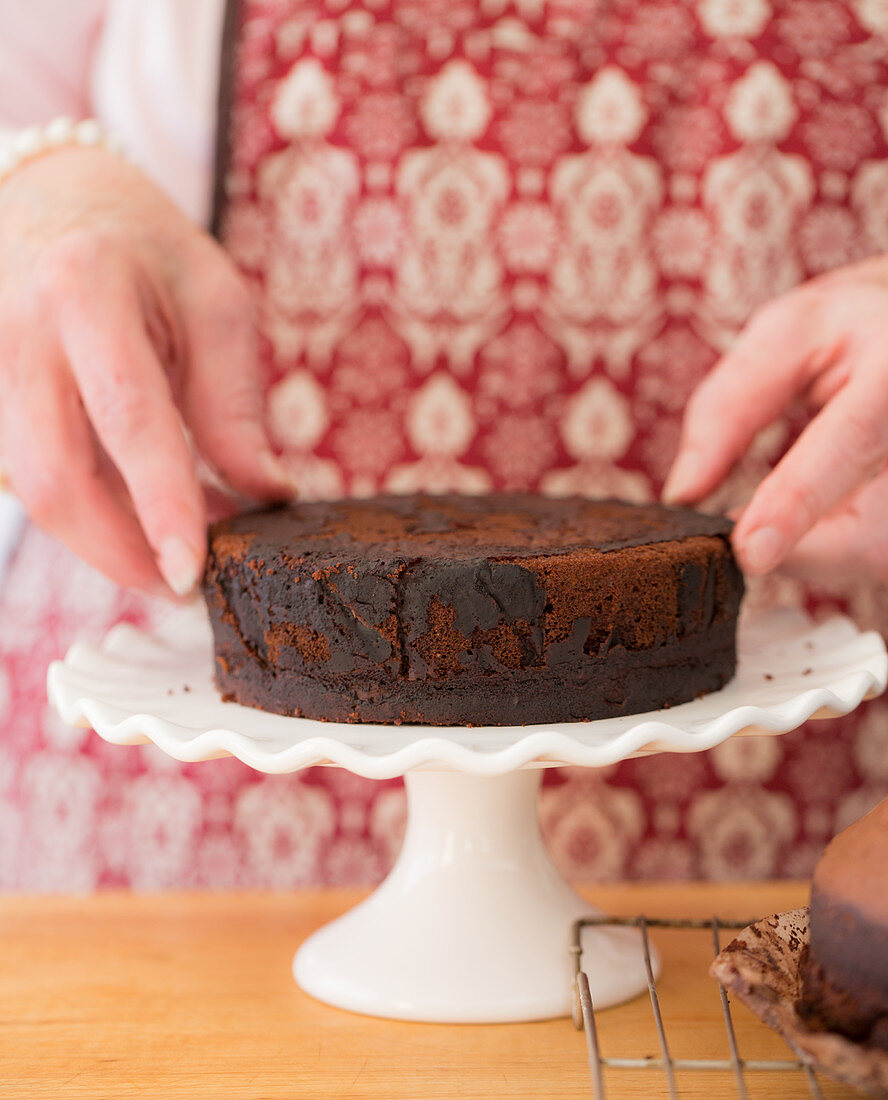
{"x":28,"y":145}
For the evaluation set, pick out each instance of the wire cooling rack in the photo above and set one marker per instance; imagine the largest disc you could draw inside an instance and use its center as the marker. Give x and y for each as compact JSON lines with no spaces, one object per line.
{"x":584,"y":1015}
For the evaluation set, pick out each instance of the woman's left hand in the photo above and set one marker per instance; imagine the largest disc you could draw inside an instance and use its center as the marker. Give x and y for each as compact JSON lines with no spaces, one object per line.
{"x":825,"y":505}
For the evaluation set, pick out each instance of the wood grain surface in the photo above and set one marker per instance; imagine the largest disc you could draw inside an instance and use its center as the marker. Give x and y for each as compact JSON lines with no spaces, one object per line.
{"x":120,"y":996}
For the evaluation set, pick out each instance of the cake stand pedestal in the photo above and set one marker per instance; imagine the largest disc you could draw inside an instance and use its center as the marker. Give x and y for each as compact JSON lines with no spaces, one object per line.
{"x":473,"y":923}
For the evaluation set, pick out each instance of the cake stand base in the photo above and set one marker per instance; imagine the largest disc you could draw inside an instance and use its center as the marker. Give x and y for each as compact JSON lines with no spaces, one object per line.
{"x":473,"y":923}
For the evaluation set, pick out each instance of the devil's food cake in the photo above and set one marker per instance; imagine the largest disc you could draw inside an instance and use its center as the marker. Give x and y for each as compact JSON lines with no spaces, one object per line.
{"x":846,"y":972}
{"x":497,"y":610}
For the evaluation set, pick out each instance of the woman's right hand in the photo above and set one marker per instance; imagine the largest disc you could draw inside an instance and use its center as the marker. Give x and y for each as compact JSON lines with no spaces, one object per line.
{"x":119,"y":321}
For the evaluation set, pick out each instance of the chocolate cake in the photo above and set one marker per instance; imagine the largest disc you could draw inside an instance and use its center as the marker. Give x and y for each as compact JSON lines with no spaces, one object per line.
{"x":846,"y":972}
{"x":497,"y":610}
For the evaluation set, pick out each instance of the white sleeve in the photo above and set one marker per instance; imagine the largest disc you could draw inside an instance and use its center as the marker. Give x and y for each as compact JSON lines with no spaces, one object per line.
{"x":154,"y":87}
{"x":148,"y":70}
{"x":46,"y":55}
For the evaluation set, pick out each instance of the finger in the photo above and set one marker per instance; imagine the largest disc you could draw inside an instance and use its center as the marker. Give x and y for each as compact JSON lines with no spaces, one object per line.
{"x":222,"y":395}
{"x":772,"y":360}
{"x":128,"y":401}
{"x":55,"y":471}
{"x":844,"y":446}
{"x":219,"y":505}
{"x":849,"y":541}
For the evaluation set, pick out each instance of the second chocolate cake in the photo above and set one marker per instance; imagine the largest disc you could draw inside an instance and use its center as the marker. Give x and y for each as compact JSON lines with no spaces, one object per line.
{"x":846,"y":972}
{"x":498,"y":610}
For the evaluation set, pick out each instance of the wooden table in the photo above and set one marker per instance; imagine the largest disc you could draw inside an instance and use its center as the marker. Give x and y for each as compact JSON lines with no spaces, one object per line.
{"x":191,"y":996}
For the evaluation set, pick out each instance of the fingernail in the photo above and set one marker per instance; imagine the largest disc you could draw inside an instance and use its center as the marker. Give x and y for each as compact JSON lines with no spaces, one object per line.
{"x":681,"y":478}
{"x":763,"y":549}
{"x":276,"y":471}
{"x":179,"y":564}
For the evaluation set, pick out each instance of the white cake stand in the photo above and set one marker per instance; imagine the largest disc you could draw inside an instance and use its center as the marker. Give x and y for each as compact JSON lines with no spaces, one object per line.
{"x":472,"y":924}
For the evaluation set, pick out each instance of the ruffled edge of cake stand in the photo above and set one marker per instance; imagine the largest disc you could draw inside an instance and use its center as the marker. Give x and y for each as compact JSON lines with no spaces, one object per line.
{"x":129,"y":689}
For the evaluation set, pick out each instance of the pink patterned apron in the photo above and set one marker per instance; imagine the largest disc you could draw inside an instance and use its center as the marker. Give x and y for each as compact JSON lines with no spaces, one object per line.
{"x":495,"y":245}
